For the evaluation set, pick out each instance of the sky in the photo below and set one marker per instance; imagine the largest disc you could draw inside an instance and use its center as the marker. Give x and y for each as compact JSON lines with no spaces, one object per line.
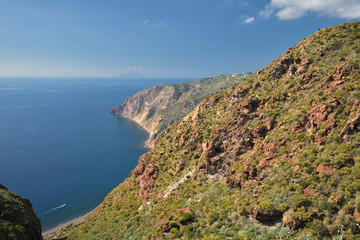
{"x":156,"y":38}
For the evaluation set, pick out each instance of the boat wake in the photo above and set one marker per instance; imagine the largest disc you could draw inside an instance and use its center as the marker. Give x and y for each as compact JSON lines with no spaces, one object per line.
{"x":61,"y":206}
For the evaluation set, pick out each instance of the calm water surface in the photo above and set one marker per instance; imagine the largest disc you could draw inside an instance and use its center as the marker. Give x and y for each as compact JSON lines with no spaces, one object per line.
{"x":59,"y":145}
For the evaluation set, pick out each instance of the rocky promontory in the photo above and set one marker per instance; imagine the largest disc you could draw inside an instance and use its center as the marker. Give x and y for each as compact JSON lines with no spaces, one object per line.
{"x":156,"y":108}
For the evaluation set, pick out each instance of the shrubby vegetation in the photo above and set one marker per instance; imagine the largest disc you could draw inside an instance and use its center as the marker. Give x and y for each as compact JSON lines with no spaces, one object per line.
{"x":156,"y":108}
{"x":17,"y":218}
{"x":274,"y":157}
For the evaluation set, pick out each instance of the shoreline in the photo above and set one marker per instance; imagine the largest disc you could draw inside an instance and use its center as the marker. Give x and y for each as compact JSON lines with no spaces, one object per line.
{"x":148,"y":144}
{"x":63,"y":224}
{"x":76,"y":219}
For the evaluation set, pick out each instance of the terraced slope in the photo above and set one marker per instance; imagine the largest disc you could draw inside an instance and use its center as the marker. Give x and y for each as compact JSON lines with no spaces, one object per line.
{"x":274,"y":157}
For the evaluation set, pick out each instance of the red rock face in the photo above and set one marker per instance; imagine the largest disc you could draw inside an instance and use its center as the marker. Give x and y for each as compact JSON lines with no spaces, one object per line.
{"x":317,"y":114}
{"x":234,"y":180}
{"x":309,"y":191}
{"x":145,"y":177}
{"x":356,"y":215}
{"x":301,"y":70}
{"x":139,"y":168}
{"x":342,"y":72}
{"x":321,"y":169}
{"x":249,"y":106}
{"x":292,"y":70}
{"x":164,"y":225}
{"x":296,"y":168}
{"x":289,"y":222}
{"x":320,"y":137}
{"x":208,"y":150}
{"x":269,"y":149}
{"x":180,"y":167}
{"x":186,"y":210}
{"x":282,"y":66}
{"x":321,"y":53}
{"x":338,"y":77}
{"x":351,"y":127}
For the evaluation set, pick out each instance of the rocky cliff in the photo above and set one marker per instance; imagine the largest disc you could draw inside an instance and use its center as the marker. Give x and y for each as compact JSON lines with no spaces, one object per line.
{"x":156,"y":108}
{"x":17,"y":217}
{"x":274,"y":157}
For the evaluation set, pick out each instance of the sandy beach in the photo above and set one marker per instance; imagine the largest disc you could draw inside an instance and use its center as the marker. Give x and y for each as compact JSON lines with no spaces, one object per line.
{"x":61,"y":225}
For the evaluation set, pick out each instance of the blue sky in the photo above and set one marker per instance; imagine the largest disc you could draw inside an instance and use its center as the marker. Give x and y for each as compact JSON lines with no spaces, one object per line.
{"x":156,"y":38}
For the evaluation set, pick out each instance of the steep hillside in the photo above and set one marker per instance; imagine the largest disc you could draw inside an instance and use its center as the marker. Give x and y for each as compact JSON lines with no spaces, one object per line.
{"x":17,"y":217}
{"x":274,"y":157}
{"x":156,"y":108}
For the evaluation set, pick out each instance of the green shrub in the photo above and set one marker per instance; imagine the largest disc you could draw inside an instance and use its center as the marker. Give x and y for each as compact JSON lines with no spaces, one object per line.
{"x":186,"y":218}
{"x":299,"y":200}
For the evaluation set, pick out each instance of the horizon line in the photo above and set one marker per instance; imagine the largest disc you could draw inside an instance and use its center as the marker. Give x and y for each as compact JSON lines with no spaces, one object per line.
{"x":89,"y":77}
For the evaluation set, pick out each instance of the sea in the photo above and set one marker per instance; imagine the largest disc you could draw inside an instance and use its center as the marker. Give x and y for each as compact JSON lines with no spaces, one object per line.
{"x":59,"y":145}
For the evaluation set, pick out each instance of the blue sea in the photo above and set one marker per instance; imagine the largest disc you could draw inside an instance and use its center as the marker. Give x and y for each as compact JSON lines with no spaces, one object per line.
{"x":59,"y":145}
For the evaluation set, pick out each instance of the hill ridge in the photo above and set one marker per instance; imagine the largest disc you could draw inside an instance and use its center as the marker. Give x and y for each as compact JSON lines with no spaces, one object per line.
{"x":276,"y":156}
{"x":157,"y":107}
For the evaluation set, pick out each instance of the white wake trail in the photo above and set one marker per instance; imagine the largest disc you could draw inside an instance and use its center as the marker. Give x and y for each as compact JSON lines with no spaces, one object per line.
{"x":61,"y":206}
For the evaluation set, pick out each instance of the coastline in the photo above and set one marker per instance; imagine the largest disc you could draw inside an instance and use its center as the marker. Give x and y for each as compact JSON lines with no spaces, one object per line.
{"x":148,"y":144}
{"x":61,"y":225}
{"x":76,"y":219}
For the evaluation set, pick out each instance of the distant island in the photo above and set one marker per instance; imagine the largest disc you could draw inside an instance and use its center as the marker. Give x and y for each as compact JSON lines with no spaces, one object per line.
{"x":131,"y":74}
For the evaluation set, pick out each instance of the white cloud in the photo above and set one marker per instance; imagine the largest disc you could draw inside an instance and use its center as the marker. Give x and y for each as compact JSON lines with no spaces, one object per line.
{"x":239,"y":3}
{"x":292,"y":9}
{"x":245,"y":19}
{"x":267,"y":12}
{"x":131,"y":68}
{"x":244,"y":4}
{"x":249,"y":20}
{"x":152,"y":23}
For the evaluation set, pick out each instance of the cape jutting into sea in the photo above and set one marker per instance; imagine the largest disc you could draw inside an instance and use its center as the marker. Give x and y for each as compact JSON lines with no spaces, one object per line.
{"x":60,"y":146}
